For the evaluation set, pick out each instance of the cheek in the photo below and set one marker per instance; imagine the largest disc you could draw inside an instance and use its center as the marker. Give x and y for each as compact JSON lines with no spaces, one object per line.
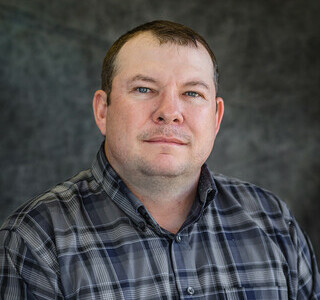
{"x":137,"y":116}
{"x":127,"y":122}
{"x":203,"y":124}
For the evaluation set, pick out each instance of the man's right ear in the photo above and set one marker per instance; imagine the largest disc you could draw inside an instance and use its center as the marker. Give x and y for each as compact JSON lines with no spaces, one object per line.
{"x":100,"y":110}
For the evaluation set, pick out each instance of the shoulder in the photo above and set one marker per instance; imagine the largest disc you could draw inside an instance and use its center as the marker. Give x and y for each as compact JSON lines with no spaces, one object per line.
{"x":53,"y":205}
{"x":253,"y":199}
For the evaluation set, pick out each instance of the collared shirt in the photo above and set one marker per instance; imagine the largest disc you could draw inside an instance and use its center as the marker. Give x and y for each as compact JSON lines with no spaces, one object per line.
{"x":90,"y":238}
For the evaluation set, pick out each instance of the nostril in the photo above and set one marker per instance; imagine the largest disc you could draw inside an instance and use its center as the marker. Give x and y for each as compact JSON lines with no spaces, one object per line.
{"x":160,"y":119}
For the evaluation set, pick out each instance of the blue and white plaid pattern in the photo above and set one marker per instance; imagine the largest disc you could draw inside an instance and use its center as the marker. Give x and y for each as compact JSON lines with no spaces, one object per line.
{"x":90,"y":238}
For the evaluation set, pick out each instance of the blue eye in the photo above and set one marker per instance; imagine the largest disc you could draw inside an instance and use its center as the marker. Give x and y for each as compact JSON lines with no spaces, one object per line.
{"x":192,"y":94}
{"x":143,"y":90}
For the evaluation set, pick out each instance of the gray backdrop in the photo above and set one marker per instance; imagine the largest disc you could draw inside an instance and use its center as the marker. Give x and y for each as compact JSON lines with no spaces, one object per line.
{"x":268,"y":55}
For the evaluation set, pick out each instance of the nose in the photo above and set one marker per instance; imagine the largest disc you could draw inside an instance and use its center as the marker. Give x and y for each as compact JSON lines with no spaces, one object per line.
{"x":168,"y":110}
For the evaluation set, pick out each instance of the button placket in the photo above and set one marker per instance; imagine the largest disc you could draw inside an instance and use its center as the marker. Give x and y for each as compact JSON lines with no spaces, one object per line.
{"x":181,"y":262}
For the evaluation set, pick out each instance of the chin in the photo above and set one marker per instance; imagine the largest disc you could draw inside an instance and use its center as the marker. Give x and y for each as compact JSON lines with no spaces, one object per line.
{"x":164,"y":170}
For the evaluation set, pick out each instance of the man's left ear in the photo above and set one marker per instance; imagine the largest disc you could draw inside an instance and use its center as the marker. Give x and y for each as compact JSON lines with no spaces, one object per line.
{"x":219,"y":113}
{"x":100,"y":107}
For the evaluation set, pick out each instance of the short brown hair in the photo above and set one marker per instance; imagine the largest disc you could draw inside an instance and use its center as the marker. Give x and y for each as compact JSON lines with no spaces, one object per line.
{"x":165,"y":32}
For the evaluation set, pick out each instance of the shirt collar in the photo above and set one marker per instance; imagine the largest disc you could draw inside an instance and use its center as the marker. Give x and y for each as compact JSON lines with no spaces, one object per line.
{"x":207,"y":189}
{"x":104,"y":173}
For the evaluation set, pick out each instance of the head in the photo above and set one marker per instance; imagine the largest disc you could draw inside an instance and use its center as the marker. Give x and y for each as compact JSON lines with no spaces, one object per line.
{"x":165,"y":32}
{"x":158,"y":108}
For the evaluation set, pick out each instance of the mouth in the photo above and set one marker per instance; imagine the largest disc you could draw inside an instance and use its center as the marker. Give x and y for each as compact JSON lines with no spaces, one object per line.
{"x":166,"y":141}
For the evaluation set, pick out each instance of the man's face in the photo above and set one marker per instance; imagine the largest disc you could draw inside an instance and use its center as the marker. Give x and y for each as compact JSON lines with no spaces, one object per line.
{"x":162,"y":118}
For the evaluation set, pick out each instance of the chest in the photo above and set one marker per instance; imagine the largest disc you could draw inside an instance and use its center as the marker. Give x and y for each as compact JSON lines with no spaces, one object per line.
{"x":205,"y":261}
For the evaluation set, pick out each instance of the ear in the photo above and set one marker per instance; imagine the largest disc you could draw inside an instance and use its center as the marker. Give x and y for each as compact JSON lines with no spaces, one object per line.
{"x":100,"y":110}
{"x":219,"y":113}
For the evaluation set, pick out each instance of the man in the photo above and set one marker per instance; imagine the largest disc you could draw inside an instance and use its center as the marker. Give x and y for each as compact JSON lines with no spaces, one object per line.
{"x":149,"y":220}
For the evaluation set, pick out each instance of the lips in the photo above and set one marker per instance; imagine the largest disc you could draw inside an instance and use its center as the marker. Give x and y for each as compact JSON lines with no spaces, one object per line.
{"x":165,"y":140}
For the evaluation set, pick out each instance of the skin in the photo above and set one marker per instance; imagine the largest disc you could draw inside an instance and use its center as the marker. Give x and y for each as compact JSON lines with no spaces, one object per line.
{"x":161,"y":124}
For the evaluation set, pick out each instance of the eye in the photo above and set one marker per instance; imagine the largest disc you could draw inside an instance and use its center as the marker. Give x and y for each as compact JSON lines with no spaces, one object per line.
{"x":143,"y":90}
{"x":192,"y":94}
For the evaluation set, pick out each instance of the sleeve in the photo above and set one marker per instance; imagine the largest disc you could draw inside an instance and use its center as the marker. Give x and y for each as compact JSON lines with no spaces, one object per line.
{"x":308,"y":274}
{"x":23,"y":273}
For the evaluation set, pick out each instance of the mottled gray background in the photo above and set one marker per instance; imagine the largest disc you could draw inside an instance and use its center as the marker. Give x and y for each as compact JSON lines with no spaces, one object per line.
{"x":268,"y":54}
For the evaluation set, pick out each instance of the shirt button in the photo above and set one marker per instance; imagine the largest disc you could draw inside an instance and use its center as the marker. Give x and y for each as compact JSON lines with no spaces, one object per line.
{"x":190,"y":290}
{"x":142,"y":226}
{"x":178,"y":238}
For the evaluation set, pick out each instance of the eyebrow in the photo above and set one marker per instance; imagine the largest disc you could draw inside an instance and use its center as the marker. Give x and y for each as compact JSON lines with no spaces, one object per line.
{"x":196,"y":83}
{"x":140,"y":77}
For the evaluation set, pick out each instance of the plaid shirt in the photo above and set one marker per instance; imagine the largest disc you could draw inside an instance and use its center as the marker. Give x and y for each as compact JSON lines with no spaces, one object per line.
{"x":90,"y":238}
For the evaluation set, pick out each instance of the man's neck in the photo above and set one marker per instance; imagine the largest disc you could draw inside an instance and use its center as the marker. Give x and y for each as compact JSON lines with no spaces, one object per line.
{"x":168,"y":200}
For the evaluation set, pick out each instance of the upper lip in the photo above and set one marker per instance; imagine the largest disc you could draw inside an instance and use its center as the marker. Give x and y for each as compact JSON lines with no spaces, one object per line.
{"x":163,"y":139}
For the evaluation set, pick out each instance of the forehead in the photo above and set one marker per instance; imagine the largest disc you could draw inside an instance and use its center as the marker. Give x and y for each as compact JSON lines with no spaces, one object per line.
{"x":145,"y":53}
